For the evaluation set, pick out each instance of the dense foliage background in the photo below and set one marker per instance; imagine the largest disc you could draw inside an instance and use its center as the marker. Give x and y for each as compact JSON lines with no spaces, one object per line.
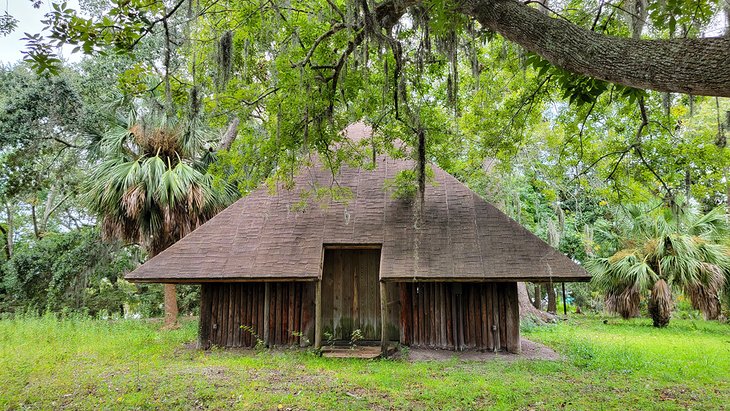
{"x":564,"y":155}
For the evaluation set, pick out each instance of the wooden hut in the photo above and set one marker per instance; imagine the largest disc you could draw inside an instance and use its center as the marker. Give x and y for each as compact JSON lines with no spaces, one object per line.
{"x":279,"y":273}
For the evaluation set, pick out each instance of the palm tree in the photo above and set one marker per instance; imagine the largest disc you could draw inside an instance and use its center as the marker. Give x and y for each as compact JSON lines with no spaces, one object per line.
{"x":152,"y":188}
{"x":657,"y":250}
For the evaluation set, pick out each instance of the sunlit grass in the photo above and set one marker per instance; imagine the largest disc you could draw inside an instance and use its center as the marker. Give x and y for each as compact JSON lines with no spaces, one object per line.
{"x":90,"y":364}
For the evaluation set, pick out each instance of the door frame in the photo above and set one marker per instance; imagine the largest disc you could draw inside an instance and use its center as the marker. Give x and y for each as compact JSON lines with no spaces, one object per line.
{"x":318,"y":289}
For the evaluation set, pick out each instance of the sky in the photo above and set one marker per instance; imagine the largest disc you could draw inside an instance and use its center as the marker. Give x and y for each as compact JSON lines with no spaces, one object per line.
{"x":29,"y":20}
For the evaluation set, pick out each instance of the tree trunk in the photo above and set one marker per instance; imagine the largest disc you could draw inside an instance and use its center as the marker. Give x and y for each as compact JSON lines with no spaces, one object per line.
{"x":230,"y":136}
{"x":552,"y":300}
{"x":526,"y":308}
{"x":9,"y":238}
{"x":537,"y":302}
{"x":660,"y":304}
{"x":171,"y":307}
{"x":7,"y":248}
{"x":35,"y":221}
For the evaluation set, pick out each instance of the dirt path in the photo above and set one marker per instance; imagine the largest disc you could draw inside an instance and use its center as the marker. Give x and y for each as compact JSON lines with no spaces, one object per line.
{"x":530,"y":351}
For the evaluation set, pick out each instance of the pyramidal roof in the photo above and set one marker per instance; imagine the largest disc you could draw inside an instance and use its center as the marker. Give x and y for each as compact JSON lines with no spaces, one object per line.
{"x":269,"y":236}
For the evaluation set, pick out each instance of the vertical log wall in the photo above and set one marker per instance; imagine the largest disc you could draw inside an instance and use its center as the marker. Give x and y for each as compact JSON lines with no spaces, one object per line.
{"x":454,"y":316}
{"x":459,"y":316}
{"x":225,"y":307}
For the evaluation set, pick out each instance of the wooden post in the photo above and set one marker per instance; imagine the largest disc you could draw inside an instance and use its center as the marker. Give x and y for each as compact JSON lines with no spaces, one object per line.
{"x":318,"y":316}
{"x":204,"y":318}
{"x":383,"y":317}
{"x":565,"y":306}
{"x":267,"y":308}
{"x":512,"y":319}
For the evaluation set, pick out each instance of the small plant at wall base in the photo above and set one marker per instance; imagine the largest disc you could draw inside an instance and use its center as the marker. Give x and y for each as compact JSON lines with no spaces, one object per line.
{"x":260,"y":343}
{"x":654,"y":250}
{"x":355,"y":336}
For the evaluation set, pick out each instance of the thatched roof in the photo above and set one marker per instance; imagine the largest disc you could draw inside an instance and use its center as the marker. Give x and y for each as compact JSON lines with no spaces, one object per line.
{"x":267,"y":236}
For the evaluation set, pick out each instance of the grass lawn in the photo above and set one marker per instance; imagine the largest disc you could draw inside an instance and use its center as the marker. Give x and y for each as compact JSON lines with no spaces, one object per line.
{"x":94,"y":364}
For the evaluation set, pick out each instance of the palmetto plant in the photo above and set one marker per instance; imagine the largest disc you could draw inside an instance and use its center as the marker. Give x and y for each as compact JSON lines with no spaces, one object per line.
{"x":152,"y":188}
{"x":656,"y":250}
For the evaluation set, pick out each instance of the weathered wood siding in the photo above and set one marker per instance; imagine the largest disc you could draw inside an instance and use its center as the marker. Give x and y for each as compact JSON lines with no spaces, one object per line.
{"x":460,"y":316}
{"x":226,"y":307}
{"x":351,"y":293}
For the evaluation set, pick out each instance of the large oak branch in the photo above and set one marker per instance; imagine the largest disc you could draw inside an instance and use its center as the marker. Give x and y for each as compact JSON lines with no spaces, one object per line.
{"x":694,"y":66}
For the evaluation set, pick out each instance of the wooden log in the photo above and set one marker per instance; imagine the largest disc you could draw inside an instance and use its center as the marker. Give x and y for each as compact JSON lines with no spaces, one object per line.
{"x":458,"y":297}
{"x":489,"y":317}
{"x":405,"y":314}
{"x":204,"y":318}
{"x":318,"y":315}
{"x":383,"y":317}
{"x":414,"y":313}
{"x":495,"y":319}
{"x":308,"y":313}
{"x":484,"y":343}
{"x":266,"y":314}
{"x":512,"y":319}
{"x":225,"y":301}
{"x":215,"y":308}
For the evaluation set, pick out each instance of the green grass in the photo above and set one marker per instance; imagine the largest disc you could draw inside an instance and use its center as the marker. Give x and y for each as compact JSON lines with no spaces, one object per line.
{"x":92,"y":364}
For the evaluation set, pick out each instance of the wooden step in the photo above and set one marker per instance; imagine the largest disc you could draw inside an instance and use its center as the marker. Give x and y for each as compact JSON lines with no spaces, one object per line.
{"x":351,"y":352}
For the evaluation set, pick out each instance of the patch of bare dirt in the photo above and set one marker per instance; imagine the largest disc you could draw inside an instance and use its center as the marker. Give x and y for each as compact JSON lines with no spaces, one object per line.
{"x":530,"y":351}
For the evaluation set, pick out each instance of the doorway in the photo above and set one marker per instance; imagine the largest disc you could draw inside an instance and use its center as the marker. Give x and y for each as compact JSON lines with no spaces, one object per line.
{"x":351,"y":295}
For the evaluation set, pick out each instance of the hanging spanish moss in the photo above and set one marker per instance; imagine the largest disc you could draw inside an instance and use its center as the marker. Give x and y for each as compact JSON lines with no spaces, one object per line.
{"x":225,"y":58}
{"x":448,"y":45}
{"x":423,"y":52}
{"x":474,"y":54}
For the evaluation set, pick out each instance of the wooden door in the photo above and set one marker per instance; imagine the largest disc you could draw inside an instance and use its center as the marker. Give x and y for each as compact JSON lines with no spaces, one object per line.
{"x":351,"y":294}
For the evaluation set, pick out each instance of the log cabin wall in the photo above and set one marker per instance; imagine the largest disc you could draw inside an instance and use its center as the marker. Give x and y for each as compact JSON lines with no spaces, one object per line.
{"x":225,"y":307}
{"x":460,"y":316}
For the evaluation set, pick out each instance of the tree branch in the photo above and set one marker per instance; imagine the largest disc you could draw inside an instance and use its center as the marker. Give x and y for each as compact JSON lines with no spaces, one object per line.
{"x":695,"y":66}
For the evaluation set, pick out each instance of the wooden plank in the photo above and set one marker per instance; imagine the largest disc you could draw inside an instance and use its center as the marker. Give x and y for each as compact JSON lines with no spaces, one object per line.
{"x":204,"y":318}
{"x":469,"y":300}
{"x":251,"y":291}
{"x":512,"y":318}
{"x":336,"y":295}
{"x":347,"y":352}
{"x":443,"y":327}
{"x":236,"y":311}
{"x":405,"y":314}
{"x":257,"y":307}
{"x":449,"y":316}
{"x":297,"y":314}
{"x":318,"y":315}
{"x":413,"y":313}
{"x":280,"y":324}
{"x":355,"y":302}
{"x":244,"y":313}
{"x":502,"y":317}
{"x":223,"y":325}
{"x":495,"y":319}
{"x":489,"y":315}
{"x":215,"y":310}
{"x":460,"y":316}
{"x":308,"y":313}
{"x":375,"y":302}
{"x":383,"y":316}
{"x":291,"y":310}
{"x":231,"y":314}
{"x":266,"y":314}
